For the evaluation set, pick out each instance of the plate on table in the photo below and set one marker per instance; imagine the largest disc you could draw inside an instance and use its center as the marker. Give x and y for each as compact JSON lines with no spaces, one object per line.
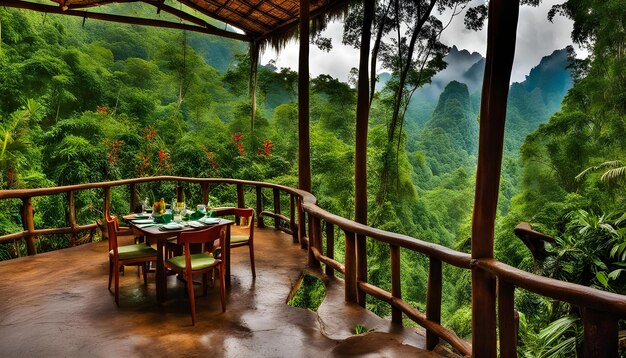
{"x":210,"y":220}
{"x":142,"y":221}
{"x":141,"y":216}
{"x":171,"y":226}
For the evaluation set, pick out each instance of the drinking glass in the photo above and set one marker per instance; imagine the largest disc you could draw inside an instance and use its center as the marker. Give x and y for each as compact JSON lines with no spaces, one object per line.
{"x":179,"y":211}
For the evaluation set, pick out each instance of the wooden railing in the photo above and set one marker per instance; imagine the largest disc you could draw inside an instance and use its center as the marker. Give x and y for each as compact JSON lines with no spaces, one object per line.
{"x":601,"y":310}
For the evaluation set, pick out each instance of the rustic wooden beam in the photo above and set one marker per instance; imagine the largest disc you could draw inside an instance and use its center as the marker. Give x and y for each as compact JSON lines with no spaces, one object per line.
{"x":133,"y":200}
{"x":601,"y":332}
{"x":276,"y":195}
{"x":107,"y":203}
{"x":292,"y":217}
{"x":319,"y":11}
{"x":350,"y":267}
{"x":330,"y":247}
{"x":506,"y":319}
{"x":396,"y":288}
{"x":501,"y":36}
{"x":71,"y":211}
{"x":259,"y":207}
{"x":314,"y":237}
{"x":361,"y":266}
{"x":301,"y":223}
{"x":204,"y":191}
{"x":180,"y":192}
{"x":29,"y":225}
{"x":304,"y":142}
{"x":433,"y":300}
{"x":211,"y":30}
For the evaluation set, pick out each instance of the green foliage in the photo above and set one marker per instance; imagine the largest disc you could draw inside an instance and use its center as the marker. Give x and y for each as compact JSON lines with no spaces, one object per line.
{"x":309,"y":295}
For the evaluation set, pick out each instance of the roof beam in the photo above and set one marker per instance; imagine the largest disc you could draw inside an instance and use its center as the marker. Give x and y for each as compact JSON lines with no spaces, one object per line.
{"x":294,"y":22}
{"x":196,"y":7}
{"x":210,"y":29}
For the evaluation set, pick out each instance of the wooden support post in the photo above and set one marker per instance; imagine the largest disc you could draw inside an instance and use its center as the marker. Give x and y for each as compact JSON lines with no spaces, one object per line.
{"x":259,"y":207}
{"x":292,"y":217}
{"x":506,"y":319}
{"x":204,"y":190}
{"x":501,"y":35}
{"x":301,"y":224}
{"x":330,"y":247}
{"x":107,"y":203}
{"x":313,"y":238}
{"x":132,"y":189}
{"x":276,"y":193}
{"x":71,"y":210}
{"x":396,"y":288}
{"x":241,"y":199}
{"x":304,"y":142}
{"x":362,"y":117}
{"x":350,"y":264}
{"x":29,"y":225}
{"x":433,"y":300}
{"x":601,"y":332}
{"x":361,"y":262}
{"x":180,"y":193}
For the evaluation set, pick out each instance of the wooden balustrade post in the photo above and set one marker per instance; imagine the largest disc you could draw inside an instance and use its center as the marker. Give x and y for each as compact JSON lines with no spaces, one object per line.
{"x":29,"y":225}
{"x":132,"y":188}
{"x":180,"y":193}
{"x":396,"y":288}
{"x":601,"y":332}
{"x":330,"y":247}
{"x":501,"y":37}
{"x":361,"y":262}
{"x":204,"y":190}
{"x":506,"y":319}
{"x":259,"y":207}
{"x":276,"y":193}
{"x":350,"y":265}
{"x":433,"y":300}
{"x":72,"y":217}
{"x":292,"y":218}
{"x":301,"y":224}
{"x":313,"y":238}
{"x":241,"y":200}
{"x":107,"y":204}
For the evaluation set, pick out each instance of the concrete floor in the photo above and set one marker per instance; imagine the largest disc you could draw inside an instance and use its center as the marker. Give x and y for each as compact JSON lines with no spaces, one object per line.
{"x":57,"y":305}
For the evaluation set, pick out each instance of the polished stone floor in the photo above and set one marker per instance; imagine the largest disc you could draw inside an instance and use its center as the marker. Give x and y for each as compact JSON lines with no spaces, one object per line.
{"x":57,"y":305}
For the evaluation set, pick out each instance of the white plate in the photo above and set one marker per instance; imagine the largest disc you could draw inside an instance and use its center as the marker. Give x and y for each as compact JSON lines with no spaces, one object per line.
{"x":172,"y":226}
{"x":210,"y":220}
{"x":143,"y":221}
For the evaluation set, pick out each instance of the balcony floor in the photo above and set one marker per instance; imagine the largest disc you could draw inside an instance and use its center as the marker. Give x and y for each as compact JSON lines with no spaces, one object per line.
{"x":57,"y":304}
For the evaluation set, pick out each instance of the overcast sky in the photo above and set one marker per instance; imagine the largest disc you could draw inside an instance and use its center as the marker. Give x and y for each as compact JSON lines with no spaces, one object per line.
{"x":537,"y":37}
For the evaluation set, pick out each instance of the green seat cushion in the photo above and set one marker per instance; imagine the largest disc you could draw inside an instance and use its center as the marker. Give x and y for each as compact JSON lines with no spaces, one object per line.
{"x":135,"y":251}
{"x":198,"y":261}
{"x":234,"y":239}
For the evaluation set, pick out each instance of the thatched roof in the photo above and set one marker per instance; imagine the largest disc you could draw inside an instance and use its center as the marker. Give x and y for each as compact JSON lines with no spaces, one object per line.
{"x":260,"y":20}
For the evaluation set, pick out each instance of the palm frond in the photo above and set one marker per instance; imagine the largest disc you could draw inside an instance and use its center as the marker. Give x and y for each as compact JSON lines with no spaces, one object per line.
{"x":614,"y":175}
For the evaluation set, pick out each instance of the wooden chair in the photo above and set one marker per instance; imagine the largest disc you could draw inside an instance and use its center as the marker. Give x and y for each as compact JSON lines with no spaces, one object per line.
{"x":190,"y":264}
{"x":120,"y":256}
{"x":244,"y":235}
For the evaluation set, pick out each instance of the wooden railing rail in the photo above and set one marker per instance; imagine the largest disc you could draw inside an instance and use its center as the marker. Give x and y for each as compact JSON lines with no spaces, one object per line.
{"x":307,"y":223}
{"x":30,"y":234}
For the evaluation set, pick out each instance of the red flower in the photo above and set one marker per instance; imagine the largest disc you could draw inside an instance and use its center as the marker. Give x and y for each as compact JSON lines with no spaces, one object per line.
{"x":237,"y":137}
{"x":102,"y":109}
{"x":267,"y":147}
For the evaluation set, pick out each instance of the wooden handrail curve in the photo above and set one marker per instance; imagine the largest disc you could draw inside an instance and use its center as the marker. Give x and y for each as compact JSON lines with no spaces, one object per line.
{"x":601,"y":305}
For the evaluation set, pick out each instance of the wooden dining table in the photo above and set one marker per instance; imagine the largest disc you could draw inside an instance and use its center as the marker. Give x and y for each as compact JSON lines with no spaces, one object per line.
{"x":155,"y":234}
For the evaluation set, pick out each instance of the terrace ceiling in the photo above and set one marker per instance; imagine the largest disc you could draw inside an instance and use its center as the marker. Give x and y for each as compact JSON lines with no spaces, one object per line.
{"x":257,"y":19}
